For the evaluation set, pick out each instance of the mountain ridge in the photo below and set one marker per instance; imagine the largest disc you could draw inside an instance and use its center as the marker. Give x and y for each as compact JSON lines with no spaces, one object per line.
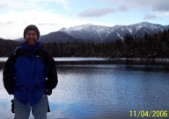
{"x":99,"y":33}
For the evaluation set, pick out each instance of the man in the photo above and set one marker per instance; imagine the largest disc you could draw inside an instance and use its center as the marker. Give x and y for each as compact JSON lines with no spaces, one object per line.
{"x":30,"y":75}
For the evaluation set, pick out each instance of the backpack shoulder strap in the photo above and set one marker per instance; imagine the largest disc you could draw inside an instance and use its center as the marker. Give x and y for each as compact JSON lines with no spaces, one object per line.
{"x":17,"y":51}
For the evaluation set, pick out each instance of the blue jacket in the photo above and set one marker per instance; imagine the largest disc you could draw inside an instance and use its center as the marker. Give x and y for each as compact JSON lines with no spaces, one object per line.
{"x":32,"y":73}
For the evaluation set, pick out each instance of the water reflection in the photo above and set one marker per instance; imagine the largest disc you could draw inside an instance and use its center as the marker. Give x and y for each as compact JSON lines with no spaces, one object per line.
{"x":104,"y":91}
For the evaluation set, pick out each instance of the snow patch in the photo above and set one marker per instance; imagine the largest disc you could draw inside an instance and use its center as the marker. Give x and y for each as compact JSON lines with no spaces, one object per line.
{"x":119,"y":36}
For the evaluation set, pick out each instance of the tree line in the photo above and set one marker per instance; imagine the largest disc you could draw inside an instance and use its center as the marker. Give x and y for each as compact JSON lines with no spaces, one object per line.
{"x":150,"y":46}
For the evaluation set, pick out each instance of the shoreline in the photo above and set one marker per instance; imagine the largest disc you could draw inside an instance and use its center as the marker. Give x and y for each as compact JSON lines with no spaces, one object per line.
{"x":101,"y":60}
{"x":127,"y":61}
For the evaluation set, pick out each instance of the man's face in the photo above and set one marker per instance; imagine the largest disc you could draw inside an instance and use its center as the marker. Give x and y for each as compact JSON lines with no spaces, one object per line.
{"x":31,"y":37}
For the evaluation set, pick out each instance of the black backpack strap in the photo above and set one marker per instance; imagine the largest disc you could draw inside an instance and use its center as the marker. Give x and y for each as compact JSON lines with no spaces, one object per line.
{"x":20,"y":52}
{"x":12,"y":106}
{"x":16,"y":50}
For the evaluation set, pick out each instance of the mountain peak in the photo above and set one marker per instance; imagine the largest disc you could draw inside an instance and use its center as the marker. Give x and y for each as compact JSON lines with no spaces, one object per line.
{"x":99,"y":33}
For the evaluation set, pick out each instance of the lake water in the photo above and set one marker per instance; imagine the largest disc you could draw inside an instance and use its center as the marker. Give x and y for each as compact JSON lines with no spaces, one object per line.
{"x":102,"y":92}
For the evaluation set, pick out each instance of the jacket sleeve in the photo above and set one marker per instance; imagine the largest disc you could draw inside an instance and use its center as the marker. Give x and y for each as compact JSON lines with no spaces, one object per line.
{"x":52,"y":78}
{"x":8,"y":74}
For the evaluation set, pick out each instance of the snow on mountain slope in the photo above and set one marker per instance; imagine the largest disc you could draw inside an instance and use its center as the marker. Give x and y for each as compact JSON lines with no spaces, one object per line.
{"x":88,"y":32}
{"x":98,"y":33}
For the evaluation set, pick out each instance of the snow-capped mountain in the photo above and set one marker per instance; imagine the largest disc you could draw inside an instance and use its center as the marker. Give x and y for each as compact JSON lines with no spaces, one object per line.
{"x":96,"y":33}
{"x":102,"y":33}
{"x":88,"y":32}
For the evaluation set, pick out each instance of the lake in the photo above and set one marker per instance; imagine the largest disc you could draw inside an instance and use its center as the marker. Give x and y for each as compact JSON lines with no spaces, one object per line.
{"x":102,"y":92}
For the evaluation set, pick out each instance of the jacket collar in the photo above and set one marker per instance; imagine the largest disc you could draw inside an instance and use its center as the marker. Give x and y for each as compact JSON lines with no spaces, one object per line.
{"x":31,"y":48}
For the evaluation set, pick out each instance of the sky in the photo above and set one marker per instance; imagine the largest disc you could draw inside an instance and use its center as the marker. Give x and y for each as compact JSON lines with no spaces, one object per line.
{"x":52,"y":15}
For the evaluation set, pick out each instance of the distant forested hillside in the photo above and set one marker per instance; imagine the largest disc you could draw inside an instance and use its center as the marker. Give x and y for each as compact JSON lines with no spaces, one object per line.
{"x":156,"y":45}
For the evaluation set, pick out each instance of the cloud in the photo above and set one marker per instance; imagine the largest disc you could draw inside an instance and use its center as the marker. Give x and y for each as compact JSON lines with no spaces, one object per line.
{"x":65,"y":3}
{"x":150,"y":17}
{"x":156,"y":5}
{"x":157,"y":15}
{"x":16,"y":15}
{"x":162,"y":14}
{"x":12,"y":24}
{"x":123,"y":8}
{"x":96,"y":12}
{"x":125,"y":5}
{"x":158,"y":9}
{"x":163,"y":6}
{"x":18,"y":4}
{"x":9,"y":5}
